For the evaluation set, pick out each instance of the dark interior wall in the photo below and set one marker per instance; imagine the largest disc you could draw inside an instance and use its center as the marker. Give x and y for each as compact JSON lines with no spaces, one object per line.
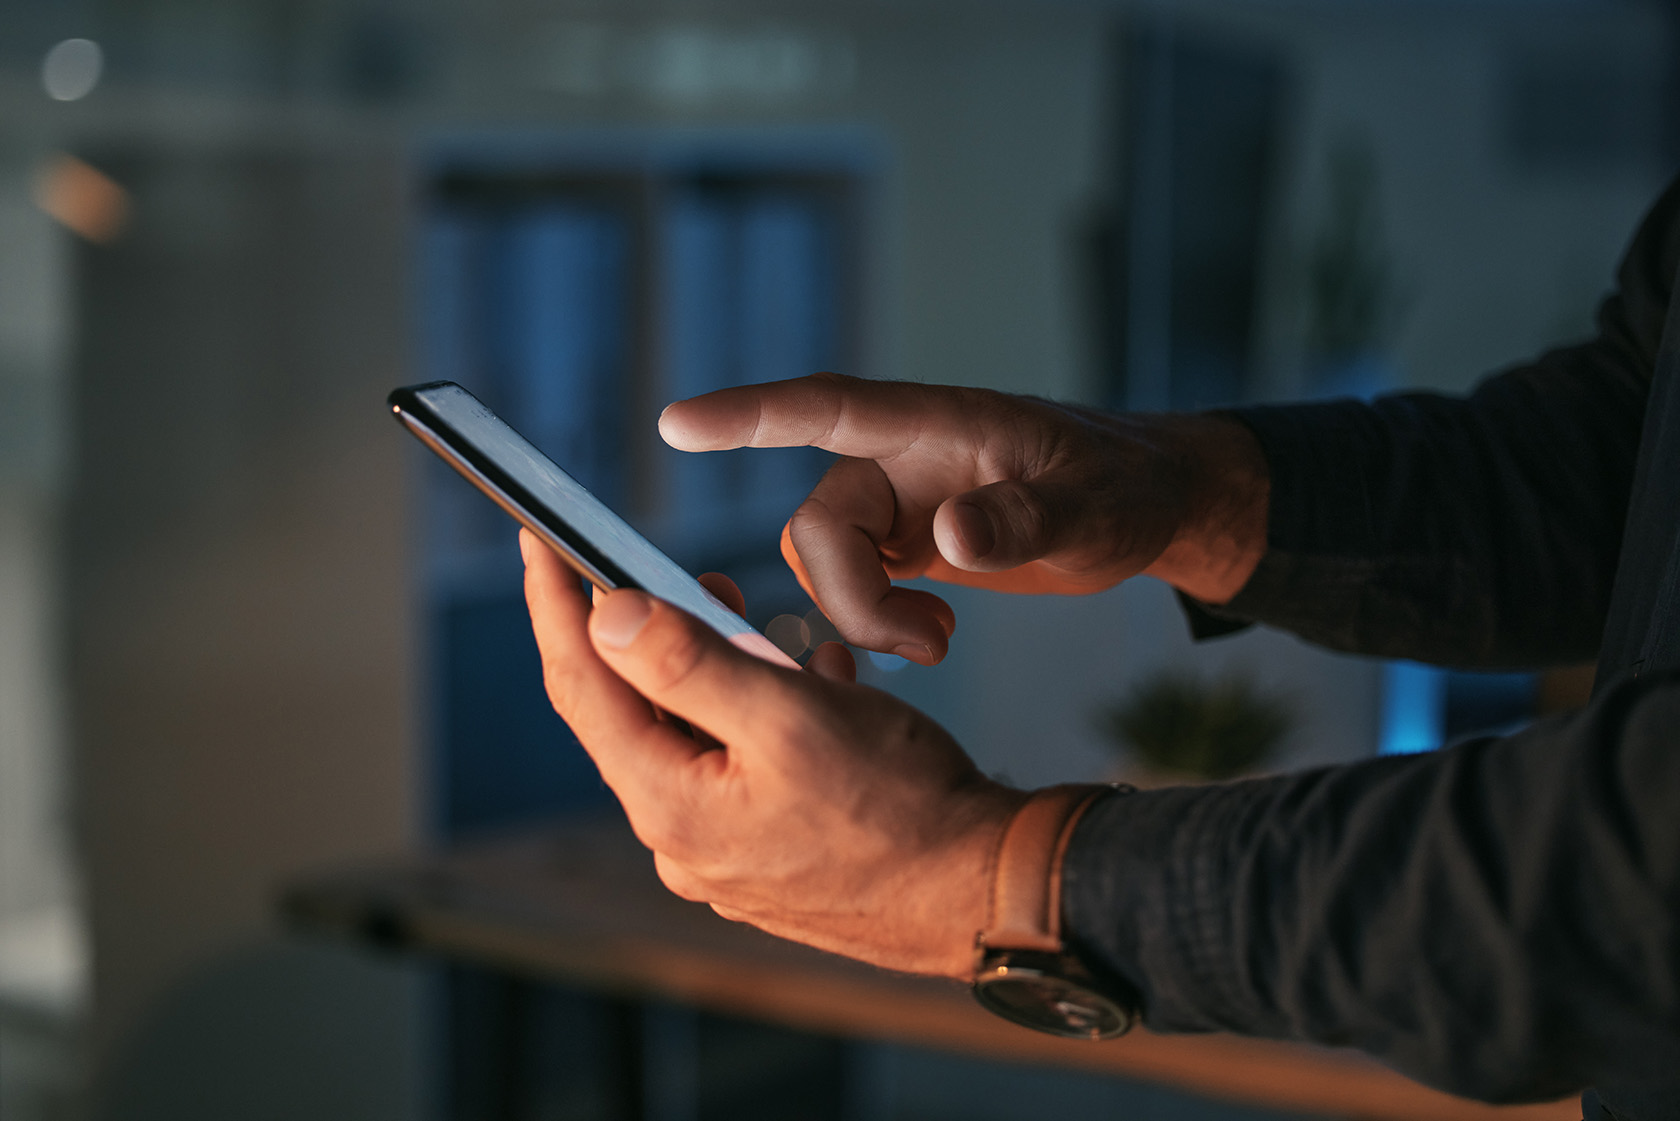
{"x":237,"y":592}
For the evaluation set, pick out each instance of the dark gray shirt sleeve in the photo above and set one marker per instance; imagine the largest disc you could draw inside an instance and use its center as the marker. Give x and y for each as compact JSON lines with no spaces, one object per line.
{"x":1498,"y":919}
{"x":1478,"y":531}
{"x":1501,"y":919}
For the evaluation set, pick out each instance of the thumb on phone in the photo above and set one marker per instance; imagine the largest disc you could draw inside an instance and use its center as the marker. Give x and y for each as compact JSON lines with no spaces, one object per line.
{"x":686,"y":668}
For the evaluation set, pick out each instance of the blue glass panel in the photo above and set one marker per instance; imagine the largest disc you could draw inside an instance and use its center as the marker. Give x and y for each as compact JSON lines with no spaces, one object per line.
{"x":565,"y":316}
{"x":751,"y":294}
{"x":1425,"y":707}
{"x":507,"y":757}
{"x":528,"y":306}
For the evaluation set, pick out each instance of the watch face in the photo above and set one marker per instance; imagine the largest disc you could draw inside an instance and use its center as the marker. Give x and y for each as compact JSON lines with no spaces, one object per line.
{"x":1039,"y":999}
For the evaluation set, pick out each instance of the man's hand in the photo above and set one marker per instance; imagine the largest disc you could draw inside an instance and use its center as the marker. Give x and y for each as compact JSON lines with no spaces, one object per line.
{"x":815,"y":808}
{"x":973,"y":487}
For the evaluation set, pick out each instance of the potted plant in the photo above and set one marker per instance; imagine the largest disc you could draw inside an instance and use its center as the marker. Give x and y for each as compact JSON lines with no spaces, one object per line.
{"x":1181,"y":726}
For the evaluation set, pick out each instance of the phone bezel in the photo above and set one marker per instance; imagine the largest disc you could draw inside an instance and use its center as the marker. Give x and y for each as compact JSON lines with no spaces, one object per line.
{"x":486,"y":474}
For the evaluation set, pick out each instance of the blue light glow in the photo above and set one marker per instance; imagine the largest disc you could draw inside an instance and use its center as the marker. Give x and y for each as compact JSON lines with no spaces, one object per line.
{"x":1413,"y":708}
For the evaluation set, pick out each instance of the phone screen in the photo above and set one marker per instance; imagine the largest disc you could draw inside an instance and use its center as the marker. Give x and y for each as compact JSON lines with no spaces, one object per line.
{"x":557,"y":508}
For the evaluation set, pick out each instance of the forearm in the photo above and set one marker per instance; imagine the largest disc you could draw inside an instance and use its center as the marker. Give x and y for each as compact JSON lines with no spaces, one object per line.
{"x":1501,"y":920}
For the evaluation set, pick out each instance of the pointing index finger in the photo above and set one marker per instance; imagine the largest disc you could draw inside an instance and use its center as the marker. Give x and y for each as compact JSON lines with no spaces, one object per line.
{"x":850,"y":416}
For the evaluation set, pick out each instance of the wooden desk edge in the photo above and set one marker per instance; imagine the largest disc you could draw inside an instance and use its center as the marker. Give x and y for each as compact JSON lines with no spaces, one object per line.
{"x":827,"y":996}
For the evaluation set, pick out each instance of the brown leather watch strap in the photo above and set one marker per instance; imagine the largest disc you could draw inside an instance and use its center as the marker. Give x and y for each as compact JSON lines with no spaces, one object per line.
{"x":1024,"y":910}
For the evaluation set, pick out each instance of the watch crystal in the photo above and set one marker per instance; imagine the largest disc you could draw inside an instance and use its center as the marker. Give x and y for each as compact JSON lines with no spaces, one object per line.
{"x":1050,"y":1002}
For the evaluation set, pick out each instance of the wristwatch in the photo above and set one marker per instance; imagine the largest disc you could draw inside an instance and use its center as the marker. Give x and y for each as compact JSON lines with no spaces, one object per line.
{"x":1022,"y":970}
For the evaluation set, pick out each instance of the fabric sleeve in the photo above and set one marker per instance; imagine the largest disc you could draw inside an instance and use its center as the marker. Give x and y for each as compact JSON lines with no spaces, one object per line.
{"x":1475,"y":531}
{"x":1500,"y":919}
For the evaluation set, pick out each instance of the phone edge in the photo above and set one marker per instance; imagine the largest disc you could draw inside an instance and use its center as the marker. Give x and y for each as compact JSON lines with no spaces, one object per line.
{"x":410,"y":411}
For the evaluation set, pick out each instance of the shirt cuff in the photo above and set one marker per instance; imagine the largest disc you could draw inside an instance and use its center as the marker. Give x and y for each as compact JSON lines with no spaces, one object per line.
{"x":1146,"y":888}
{"x":1317,"y":457}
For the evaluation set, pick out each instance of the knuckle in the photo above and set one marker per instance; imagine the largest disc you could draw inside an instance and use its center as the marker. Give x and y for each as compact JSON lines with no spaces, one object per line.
{"x":656,"y":832}
{"x":784,"y":724}
{"x":821,"y":404}
{"x":733,"y":914}
{"x":678,"y":880}
{"x":673,"y":823}
{"x":812,"y":517}
{"x":832,"y":379}
{"x":677,"y":658}
{"x":560,"y":682}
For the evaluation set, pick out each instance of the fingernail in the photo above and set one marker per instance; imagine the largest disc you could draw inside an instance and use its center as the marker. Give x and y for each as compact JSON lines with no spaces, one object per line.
{"x":619,"y":619}
{"x":524,"y":547}
{"x":668,"y":429}
{"x":916,"y":652}
{"x":976,"y":528}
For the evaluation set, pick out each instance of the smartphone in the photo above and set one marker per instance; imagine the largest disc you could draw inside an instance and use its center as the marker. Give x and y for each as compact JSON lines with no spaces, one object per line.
{"x":596,"y":542}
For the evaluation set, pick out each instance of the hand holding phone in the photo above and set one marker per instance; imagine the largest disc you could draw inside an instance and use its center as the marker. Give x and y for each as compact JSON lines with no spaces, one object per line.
{"x":834,"y":814}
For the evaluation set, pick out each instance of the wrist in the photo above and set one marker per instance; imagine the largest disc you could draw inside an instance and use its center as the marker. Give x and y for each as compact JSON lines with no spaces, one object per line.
{"x":1226,"y":498}
{"x":963,"y":906}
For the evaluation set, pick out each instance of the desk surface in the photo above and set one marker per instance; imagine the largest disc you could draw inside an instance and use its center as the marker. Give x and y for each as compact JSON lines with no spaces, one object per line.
{"x":581,"y":904}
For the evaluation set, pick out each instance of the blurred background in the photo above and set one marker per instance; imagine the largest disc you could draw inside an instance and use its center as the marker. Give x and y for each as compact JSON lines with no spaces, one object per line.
{"x":247,"y":632}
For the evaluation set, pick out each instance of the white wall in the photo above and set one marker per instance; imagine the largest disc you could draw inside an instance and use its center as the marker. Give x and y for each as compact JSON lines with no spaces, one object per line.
{"x":43,"y":957}
{"x":238,"y":606}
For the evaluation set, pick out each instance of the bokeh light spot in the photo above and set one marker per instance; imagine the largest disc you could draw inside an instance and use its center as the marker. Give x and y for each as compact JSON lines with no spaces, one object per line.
{"x":81,"y":197}
{"x":789,"y":633}
{"x":820,"y":629}
{"x":71,"y":69}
